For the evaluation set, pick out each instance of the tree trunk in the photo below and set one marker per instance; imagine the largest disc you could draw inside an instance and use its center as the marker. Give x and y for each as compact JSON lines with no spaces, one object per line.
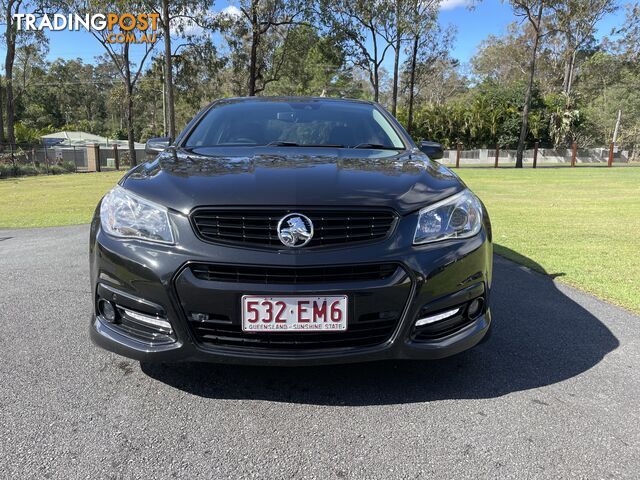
{"x":253,"y":60}
{"x":130,"y":130}
{"x":10,"y":37}
{"x":376,"y":84}
{"x":569,"y":67}
{"x":396,"y":66}
{"x":617,"y":127}
{"x":129,"y":110}
{"x":2,"y":137}
{"x":412,"y":83}
{"x":168,"y":67}
{"x":527,"y":96}
{"x":567,"y":61}
{"x":572,"y":66}
{"x":376,"y":73}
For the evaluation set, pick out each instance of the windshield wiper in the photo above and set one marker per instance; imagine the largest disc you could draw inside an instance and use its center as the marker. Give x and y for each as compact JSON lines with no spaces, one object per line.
{"x":280,"y":143}
{"x":377,"y":146}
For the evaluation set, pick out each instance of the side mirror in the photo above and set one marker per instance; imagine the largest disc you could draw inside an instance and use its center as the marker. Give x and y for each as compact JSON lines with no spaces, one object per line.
{"x":156,"y":145}
{"x":432,"y":149}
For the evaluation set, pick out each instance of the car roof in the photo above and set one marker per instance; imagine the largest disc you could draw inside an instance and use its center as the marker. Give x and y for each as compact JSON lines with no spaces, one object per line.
{"x":290,"y":99}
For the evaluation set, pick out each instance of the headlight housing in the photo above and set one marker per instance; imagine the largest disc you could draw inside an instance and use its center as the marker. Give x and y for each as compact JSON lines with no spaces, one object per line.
{"x":125,"y":215}
{"x":459,"y":216}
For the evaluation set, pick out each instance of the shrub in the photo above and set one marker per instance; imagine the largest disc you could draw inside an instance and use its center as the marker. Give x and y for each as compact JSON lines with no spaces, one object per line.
{"x":69,"y":166}
{"x":26,"y":170}
{"x":6,"y":170}
{"x":57,"y":170}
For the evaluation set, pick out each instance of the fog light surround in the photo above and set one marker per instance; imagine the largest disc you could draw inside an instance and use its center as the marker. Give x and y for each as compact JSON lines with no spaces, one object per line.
{"x":475,"y":308}
{"x":107,"y":310}
{"x":154,"y":322}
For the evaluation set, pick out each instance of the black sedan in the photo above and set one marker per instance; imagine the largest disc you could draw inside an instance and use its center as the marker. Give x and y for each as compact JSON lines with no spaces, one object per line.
{"x":290,"y":231}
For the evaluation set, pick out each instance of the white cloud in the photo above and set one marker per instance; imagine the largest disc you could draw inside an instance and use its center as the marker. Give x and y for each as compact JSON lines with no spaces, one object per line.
{"x":232,"y":11}
{"x":451,"y":4}
{"x":185,"y":27}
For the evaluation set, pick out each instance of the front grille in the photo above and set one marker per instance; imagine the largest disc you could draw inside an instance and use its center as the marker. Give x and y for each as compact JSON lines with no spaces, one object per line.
{"x":377,"y":296}
{"x":369,"y":330}
{"x":292,"y":275}
{"x":258,"y":227}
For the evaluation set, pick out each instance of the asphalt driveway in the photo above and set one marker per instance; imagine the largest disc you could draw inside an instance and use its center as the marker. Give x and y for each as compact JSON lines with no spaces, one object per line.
{"x":554,"y":393}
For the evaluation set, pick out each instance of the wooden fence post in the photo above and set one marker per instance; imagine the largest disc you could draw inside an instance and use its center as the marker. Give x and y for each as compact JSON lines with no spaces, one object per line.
{"x":610,"y":162}
{"x":574,"y":153}
{"x":46,"y":158}
{"x":116,"y":157}
{"x":495,"y":165}
{"x":458,"y":155}
{"x":535,"y":155}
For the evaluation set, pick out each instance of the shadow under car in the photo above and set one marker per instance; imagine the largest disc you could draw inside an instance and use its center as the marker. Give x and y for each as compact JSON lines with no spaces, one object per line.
{"x":539,"y":337}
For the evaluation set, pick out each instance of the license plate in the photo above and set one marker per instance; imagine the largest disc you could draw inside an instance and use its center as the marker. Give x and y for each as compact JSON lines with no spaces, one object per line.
{"x":299,"y":314}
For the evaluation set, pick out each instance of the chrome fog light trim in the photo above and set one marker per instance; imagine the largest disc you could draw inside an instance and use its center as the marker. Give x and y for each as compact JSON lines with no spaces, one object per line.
{"x":437,"y":317}
{"x":149,"y":320}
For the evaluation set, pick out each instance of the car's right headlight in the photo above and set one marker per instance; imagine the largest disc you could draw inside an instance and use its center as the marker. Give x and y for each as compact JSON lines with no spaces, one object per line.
{"x":125,"y":215}
{"x":459,"y":216}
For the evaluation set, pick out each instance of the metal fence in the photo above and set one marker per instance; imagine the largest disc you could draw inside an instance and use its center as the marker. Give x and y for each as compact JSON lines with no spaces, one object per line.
{"x":113,"y":157}
{"x":26,"y":159}
{"x":536,"y":156}
{"x":18,"y":160}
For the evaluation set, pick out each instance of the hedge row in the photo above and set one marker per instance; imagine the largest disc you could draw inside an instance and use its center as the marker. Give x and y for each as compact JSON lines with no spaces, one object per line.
{"x":8,"y":170}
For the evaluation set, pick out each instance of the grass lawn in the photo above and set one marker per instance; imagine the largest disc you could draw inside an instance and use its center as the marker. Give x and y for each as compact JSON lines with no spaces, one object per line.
{"x":46,"y":201}
{"x":581,"y":225}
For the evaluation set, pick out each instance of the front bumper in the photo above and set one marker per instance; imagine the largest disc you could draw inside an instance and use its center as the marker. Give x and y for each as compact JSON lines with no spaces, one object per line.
{"x":156,"y":280}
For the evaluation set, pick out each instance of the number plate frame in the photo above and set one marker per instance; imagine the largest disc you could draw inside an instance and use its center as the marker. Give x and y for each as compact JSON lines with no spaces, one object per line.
{"x":306,"y":313}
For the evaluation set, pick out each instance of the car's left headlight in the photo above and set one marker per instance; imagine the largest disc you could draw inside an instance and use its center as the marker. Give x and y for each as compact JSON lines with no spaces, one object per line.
{"x":125,"y":215}
{"x":459,"y":216}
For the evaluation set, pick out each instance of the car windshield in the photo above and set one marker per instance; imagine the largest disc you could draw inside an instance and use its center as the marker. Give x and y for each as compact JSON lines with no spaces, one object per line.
{"x":312,"y":123}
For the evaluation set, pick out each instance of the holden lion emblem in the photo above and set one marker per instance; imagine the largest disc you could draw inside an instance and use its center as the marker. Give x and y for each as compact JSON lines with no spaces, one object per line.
{"x":295,"y":230}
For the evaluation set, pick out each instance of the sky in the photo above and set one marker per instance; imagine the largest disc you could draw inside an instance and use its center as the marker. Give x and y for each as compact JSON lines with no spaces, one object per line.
{"x":473,"y":25}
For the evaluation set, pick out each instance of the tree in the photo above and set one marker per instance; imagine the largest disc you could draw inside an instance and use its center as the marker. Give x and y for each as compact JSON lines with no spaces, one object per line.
{"x":361,"y":22}
{"x":629,"y":43}
{"x":314,"y":64}
{"x":532,"y":11}
{"x":258,"y":31}
{"x":396,"y":31}
{"x":506,"y":59}
{"x":12,"y":35}
{"x":429,"y":43}
{"x":616,"y":81}
{"x":175,"y":15}
{"x":168,"y":70}
{"x":120,"y":55}
{"x":198,"y":78}
{"x":576,"y":21}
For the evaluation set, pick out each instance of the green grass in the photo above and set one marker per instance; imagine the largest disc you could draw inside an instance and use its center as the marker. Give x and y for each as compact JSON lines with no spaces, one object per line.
{"x":581,"y":225}
{"x":47,"y":201}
